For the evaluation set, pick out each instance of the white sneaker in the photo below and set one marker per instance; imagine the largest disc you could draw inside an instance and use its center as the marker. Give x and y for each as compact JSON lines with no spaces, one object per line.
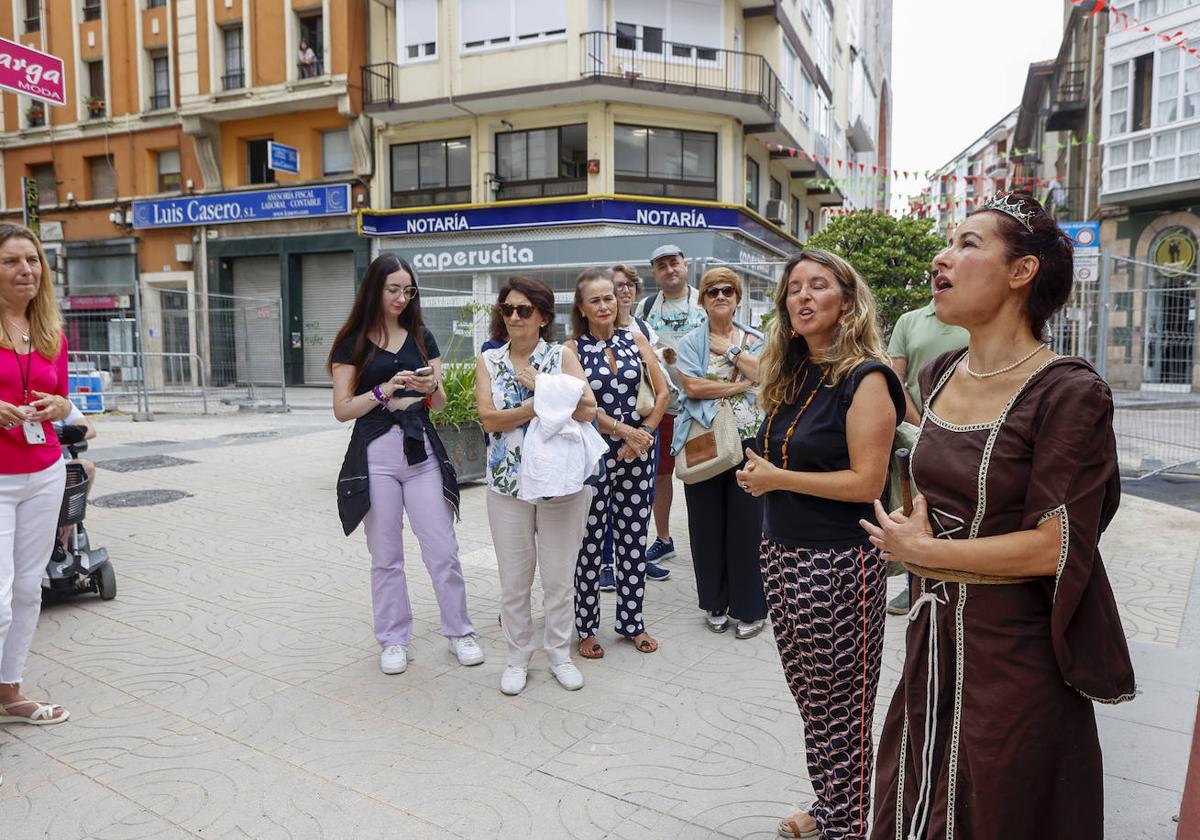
{"x":393,"y":659}
{"x":568,"y":676}
{"x":717,"y":622}
{"x":466,"y":649}
{"x":512,"y":681}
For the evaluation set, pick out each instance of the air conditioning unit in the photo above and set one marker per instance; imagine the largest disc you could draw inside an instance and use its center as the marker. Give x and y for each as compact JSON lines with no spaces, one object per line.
{"x":776,"y":211}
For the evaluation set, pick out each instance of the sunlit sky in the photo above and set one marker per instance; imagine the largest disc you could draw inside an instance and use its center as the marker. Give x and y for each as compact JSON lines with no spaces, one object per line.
{"x":958,"y":66}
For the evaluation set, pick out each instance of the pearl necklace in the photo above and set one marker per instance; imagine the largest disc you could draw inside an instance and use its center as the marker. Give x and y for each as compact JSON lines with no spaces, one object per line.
{"x":1013,"y":366}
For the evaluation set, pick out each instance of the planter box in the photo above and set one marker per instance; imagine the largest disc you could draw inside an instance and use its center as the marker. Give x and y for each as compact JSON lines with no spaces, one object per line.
{"x":466,"y":449}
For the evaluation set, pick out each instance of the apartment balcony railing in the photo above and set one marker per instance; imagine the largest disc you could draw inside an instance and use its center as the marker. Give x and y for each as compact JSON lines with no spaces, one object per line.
{"x":653,"y":61}
{"x":92,"y":10}
{"x":233,"y":81}
{"x":1065,"y":204}
{"x":158,"y":101}
{"x":1153,"y":158}
{"x":821,"y":144}
{"x":379,"y":84}
{"x":33,"y":24}
{"x":1068,"y":99}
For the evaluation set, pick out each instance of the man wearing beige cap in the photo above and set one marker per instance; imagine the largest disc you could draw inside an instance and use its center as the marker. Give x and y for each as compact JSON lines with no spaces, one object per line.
{"x":673,"y":312}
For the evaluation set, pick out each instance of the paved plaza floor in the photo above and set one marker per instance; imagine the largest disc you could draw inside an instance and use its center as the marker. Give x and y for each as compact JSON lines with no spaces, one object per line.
{"x":232,"y":689}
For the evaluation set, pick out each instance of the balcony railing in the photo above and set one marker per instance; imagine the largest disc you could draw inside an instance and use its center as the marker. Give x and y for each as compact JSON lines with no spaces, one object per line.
{"x":33,"y":24}
{"x":655,"y":61}
{"x":233,"y":81}
{"x":1068,"y":99}
{"x":92,"y":10}
{"x":158,"y":101}
{"x":379,"y":83}
{"x":310,"y":70}
{"x":1065,"y":204}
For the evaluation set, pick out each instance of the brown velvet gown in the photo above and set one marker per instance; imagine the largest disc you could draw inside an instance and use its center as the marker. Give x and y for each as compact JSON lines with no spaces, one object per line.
{"x":991,"y":732}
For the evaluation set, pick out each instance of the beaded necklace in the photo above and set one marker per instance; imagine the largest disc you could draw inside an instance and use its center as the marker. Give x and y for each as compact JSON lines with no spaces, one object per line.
{"x":787,"y":438}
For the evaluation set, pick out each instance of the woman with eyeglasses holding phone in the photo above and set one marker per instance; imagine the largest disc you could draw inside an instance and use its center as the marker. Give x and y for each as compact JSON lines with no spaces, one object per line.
{"x":546,"y":534}
{"x":720,"y":362}
{"x":387,"y":371}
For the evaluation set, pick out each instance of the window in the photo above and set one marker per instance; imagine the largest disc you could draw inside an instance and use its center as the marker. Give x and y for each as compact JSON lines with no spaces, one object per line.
{"x":33,"y":16}
{"x":543,"y":162}
{"x":336,"y":156}
{"x":776,"y":189}
{"x":416,"y":24}
{"x":167,"y":163}
{"x":234,"y":76}
{"x":823,"y":34}
{"x":806,"y":96}
{"x":491,"y":23}
{"x":693,"y":27}
{"x":310,"y":50}
{"x":434,"y":172}
{"x":155,"y":4}
{"x":92,"y":9}
{"x":101,"y":176}
{"x":794,"y":217}
{"x":665,"y":162}
{"x":257,"y":158}
{"x":95,"y":98}
{"x":47,"y":183}
{"x":160,"y":69}
{"x":752,"y":184}
{"x":1142,"y":83}
{"x":1168,"y":87}
{"x":788,"y":71}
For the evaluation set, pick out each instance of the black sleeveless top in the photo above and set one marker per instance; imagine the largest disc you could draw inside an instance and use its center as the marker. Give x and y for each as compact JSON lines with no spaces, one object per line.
{"x":818,"y":444}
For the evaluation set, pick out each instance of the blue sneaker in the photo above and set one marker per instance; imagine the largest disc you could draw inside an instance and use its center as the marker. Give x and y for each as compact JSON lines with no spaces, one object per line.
{"x":656,"y":572}
{"x":660,"y":550}
{"x":608,"y":583}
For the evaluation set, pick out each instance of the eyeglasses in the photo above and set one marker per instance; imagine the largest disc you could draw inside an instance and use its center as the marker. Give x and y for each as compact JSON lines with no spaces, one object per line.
{"x":720,"y":291}
{"x":523,"y":310}
{"x":408,"y":292}
{"x":623,"y":286}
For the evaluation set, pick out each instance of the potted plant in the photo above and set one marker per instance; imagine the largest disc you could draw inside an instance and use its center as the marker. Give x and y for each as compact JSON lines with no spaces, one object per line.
{"x":458,"y":423}
{"x":36,"y":114}
{"x":95,"y":105}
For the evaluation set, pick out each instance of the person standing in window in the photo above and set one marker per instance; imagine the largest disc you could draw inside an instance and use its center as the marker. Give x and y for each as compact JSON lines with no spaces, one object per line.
{"x":546,"y":534}
{"x":307,"y":60}
{"x":612,"y":361}
{"x":832,"y":403}
{"x":387,"y":372}
{"x":724,"y":523}
{"x":33,"y":395}
{"x":673,"y":312}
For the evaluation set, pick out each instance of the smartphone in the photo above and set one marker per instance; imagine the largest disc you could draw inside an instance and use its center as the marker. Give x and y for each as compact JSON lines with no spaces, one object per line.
{"x":423,"y":371}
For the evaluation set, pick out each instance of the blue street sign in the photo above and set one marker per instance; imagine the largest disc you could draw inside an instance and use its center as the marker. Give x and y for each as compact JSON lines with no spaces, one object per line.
{"x":254,"y":206}
{"x":283,"y":158}
{"x":1084,"y":235}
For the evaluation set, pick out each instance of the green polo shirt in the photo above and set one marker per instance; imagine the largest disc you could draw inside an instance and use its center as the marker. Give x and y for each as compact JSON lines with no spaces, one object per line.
{"x":918,"y":338}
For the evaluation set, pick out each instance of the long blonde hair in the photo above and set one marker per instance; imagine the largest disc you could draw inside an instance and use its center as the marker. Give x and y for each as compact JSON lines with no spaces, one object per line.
{"x":45,"y":322}
{"x":856,"y":339}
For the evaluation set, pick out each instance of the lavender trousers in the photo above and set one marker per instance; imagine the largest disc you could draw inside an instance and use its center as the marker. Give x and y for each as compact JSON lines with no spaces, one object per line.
{"x":397,"y":487}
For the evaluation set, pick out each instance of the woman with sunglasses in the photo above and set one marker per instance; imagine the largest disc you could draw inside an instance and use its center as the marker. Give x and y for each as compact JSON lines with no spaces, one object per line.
{"x":612,"y":360}
{"x":546,"y":534}
{"x":387,"y":372}
{"x":717,"y":363}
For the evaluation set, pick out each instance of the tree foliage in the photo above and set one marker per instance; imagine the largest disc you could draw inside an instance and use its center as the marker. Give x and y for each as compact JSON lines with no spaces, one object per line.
{"x":892,"y":255}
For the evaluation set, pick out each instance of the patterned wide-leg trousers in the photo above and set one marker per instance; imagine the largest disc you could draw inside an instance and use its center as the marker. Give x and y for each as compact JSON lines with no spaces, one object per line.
{"x":827,"y":608}
{"x":622,"y":498}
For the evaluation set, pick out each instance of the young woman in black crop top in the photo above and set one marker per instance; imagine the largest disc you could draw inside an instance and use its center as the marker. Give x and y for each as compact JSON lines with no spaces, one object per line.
{"x":832,"y":406}
{"x":386,"y":371}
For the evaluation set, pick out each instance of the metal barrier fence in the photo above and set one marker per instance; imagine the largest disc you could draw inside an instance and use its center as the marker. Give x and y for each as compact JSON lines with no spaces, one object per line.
{"x":170,"y":350}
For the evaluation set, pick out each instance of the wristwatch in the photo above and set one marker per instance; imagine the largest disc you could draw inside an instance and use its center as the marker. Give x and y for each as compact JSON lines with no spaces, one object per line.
{"x":732,"y":353}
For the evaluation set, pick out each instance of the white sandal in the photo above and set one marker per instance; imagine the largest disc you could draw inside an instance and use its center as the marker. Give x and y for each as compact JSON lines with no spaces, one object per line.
{"x":43,"y":715}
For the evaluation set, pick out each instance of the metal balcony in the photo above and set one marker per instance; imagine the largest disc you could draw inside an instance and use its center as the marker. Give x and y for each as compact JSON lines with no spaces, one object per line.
{"x":1068,"y":97}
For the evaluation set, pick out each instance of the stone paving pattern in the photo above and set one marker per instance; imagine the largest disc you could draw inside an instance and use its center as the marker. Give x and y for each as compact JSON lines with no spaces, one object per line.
{"x":232,"y":689}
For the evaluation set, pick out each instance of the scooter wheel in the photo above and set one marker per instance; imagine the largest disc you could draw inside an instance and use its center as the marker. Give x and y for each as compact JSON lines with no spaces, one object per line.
{"x":106,"y":582}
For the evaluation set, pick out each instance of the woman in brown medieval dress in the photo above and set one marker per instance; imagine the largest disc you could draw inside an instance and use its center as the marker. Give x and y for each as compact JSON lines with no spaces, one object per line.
{"x":1014,"y":630}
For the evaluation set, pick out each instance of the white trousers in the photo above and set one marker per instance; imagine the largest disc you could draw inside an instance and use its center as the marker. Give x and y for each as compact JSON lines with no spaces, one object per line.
{"x":545,"y":535}
{"x":29,"y":505}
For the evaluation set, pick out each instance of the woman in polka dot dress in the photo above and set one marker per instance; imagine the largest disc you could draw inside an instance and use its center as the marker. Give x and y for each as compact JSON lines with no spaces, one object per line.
{"x":612,"y":361}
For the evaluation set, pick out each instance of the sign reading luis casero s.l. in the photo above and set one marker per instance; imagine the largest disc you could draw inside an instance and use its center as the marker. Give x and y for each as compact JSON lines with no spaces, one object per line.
{"x":252,"y":206}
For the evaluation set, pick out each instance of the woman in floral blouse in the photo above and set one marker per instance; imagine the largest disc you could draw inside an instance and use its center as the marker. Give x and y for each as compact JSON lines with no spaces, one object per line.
{"x":545,"y":534}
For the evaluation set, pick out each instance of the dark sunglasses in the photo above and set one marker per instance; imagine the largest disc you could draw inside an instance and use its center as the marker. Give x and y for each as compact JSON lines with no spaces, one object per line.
{"x":523,"y":310}
{"x":720,"y":291}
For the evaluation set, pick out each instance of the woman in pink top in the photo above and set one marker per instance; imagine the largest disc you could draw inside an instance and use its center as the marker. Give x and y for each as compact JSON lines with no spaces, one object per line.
{"x":33,"y":393}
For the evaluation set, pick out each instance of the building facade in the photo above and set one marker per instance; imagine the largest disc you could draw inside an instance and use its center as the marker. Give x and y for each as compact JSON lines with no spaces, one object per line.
{"x":154,"y":178}
{"x":542,"y":136}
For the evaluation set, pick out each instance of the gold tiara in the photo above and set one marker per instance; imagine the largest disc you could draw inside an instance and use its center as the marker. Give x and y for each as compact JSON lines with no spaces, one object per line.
{"x":1006,"y":203}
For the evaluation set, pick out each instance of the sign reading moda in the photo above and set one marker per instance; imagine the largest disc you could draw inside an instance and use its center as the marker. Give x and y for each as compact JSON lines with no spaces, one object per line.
{"x":254,"y":206}
{"x":32,"y":73}
{"x":577,"y":211}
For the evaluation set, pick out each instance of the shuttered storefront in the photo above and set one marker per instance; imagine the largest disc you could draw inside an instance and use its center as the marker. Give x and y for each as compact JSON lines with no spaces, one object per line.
{"x":255,"y":320}
{"x":327,"y":283}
